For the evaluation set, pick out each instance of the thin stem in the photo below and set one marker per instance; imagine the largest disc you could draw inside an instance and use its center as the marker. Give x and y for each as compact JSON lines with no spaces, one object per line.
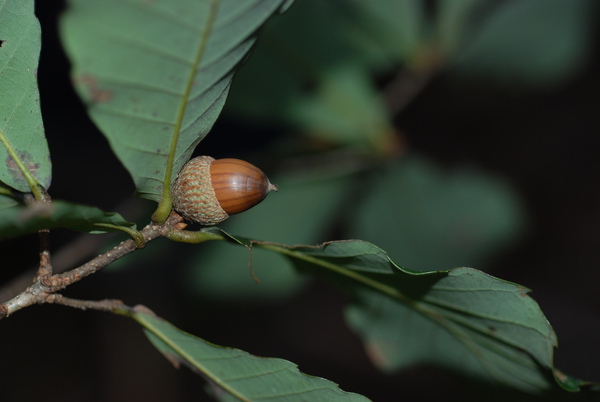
{"x":135,"y":235}
{"x":188,"y":236}
{"x":109,"y":305}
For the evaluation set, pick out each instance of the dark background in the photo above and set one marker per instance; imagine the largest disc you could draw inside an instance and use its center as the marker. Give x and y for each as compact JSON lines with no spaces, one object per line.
{"x":545,"y":142}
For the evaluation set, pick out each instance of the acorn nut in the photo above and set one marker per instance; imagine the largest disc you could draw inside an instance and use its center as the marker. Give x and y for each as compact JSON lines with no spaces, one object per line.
{"x":208,"y":190}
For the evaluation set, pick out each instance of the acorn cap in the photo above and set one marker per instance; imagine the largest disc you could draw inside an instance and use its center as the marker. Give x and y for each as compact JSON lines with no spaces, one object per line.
{"x":193,"y":194}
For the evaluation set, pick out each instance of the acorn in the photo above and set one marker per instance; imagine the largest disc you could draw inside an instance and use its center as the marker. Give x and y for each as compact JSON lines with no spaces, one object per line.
{"x":208,"y":190}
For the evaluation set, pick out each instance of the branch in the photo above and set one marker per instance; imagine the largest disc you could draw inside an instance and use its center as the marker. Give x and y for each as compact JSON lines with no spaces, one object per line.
{"x":110,"y":305}
{"x":84,"y":246}
{"x":45,"y":286}
{"x":72,"y":254}
{"x":45,"y":267}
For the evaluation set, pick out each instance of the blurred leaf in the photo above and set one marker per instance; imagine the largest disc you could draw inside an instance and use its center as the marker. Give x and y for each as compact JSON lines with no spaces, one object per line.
{"x":385,"y":32}
{"x":462,"y":318}
{"x":221,"y":272}
{"x":428,"y":218}
{"x":235,"y":373}
{"x":7,"y":201}
{"x":20,"y":220}
{"x":21,"y":126}
{"x":315,"y":64}
{"x":453,"y":20}
{"x":537,"y":42}
{"x":573,"y":384}
{"x":155,"y":75}
{"x":346,"y":110}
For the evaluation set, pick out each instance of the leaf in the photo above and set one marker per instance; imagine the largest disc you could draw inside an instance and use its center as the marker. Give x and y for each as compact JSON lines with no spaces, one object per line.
{"x":467,"y":321}
{"x":465,"y":215}
{"x":233,"y":372}
{"x":462,"y":318}
{"x":325,"y":86}
{"x":155,"y":75}
{"x":575,"y":384}
{"x":6,"y":198}
{"x":453,"y":20}
{"x":20,"y":220}
{"x":7,"y":202}
{"x":535,"y":42}
{"x":21,"y":126}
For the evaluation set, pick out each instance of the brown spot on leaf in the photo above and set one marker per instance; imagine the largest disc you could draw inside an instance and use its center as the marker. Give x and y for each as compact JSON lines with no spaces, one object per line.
{"x":96,"y":94}
{"x":14,"y":170}
{"x":522,"y":291}
{"x":2,"y":42}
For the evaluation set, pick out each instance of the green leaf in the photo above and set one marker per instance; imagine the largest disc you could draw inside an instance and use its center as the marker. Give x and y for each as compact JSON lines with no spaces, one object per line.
{"x":461,"y":318}
{"x":155,"y":75}
{"x":6,"y":198}
{"x":469,"y":322}
{"x":325,"y":87}
{"x":20,"y":220}
{"x":464,"y":215}
{"x":575,"y":384}
{"x":7,"y":202}
{"x":387,"y":32}
{"x":453,"y":20}
{"x":536,"y":42}
{"x":235,"y":373}
{"x":21,"y":126}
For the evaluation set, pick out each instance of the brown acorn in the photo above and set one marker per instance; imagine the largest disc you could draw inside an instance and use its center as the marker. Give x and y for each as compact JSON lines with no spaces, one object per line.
{"x":208,"y":190}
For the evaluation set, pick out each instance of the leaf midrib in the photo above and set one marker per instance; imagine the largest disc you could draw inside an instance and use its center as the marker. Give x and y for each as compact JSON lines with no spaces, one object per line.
{"x":457,"y":328}
{"x":165,"y":205}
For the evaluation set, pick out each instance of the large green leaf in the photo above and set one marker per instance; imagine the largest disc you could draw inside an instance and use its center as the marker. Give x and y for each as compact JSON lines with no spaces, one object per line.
{"x":20,"y":220}
{"x":539,"y":42}
{"x":21,"y":127}
{"x":155,"y":74}
{"x":237,"y":375}
{"x":462,"y":318}
{"x":437,"y":219}
{"x":315,"y":63}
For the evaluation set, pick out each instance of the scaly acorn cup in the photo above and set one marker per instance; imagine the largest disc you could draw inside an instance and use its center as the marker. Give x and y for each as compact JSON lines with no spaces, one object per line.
{"x":208,"y":190}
